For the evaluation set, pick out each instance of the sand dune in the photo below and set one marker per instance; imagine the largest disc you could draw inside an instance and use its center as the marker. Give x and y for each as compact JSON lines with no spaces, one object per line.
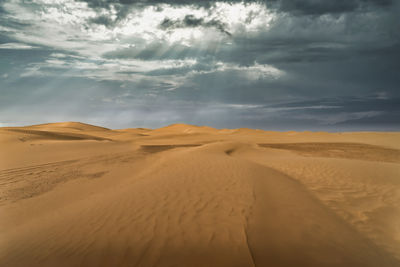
{"x":80,"y":195}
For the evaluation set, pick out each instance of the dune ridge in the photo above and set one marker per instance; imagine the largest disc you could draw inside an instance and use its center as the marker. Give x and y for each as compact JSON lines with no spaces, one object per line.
{"x":74,"y":194}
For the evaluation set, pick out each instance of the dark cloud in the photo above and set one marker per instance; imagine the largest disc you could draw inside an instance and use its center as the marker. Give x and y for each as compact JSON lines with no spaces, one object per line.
{"x":107,"y":3}
{"x":319,"y":7}
{"x":293,"y":7}
{"x":103,"y":20}
{"x":307,"y":7}
{"x":190,"y":21}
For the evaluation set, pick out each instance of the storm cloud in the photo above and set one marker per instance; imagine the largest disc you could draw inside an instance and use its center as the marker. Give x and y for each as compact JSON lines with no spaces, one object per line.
{"x":274,"y":64}
{"x":190,"y":21}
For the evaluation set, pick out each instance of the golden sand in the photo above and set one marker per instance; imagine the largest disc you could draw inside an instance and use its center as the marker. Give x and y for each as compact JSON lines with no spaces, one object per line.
{"x":74,"y":194}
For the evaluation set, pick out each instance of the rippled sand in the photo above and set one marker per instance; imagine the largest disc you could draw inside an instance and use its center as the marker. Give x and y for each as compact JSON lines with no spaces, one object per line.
{"x":74,"y":194}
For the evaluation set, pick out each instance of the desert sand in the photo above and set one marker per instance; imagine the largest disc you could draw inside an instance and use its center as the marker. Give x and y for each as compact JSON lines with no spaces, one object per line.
{"x":74,"y":194}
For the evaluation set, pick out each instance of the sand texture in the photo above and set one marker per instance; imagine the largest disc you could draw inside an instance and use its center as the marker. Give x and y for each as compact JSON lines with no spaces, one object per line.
{"x":74,"y":194}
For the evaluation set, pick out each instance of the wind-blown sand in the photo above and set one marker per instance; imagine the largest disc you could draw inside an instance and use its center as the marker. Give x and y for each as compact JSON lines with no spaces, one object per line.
{"x":79,"y":195}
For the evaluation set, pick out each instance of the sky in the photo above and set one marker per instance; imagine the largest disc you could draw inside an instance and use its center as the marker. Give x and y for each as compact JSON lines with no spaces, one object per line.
{"x":282,"y":65}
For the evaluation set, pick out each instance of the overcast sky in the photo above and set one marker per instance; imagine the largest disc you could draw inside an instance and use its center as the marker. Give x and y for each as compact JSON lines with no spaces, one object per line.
{"x":273,"y":64}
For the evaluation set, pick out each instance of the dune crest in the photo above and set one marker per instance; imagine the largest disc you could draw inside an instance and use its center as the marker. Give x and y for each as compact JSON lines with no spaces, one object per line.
{"x":74,"y":194}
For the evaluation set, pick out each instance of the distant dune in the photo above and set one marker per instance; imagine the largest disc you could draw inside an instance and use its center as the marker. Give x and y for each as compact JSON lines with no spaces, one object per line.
{"x":74,"y":194}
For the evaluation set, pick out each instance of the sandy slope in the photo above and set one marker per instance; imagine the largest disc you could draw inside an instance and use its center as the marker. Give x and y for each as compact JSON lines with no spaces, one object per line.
{"x":79,"y":195}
